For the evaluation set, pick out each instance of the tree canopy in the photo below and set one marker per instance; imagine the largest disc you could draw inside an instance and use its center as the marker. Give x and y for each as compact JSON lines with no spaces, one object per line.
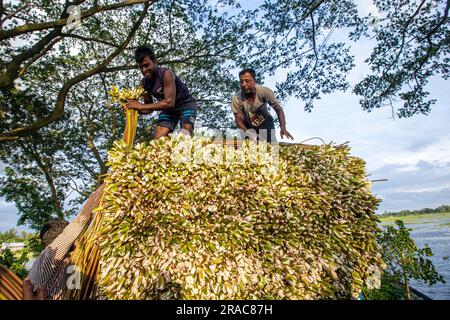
{"x":59,"y":59}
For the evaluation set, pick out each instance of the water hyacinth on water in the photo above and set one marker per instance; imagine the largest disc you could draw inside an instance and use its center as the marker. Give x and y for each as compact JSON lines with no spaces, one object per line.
{"x":297,"y":224}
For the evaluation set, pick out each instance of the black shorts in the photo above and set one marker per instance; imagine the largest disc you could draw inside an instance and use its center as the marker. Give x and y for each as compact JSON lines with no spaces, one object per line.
{"x":266,"y":132}
{"x":170,"y":119}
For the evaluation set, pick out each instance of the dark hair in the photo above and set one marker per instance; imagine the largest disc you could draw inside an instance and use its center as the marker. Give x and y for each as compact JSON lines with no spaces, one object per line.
{"x":51,"y":230}
{"x":143,"y":51}
{"x":248,"y":70}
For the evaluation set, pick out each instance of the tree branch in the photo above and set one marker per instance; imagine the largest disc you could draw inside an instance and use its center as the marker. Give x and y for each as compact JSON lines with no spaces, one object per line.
{"x":12,"y":68}
{"x":84,"y":194}
{"x":89,"y":133}
{"x":11,"y":15}
{"x":48,"y":177}
{"x":90,"y":130}
{"x":111,"y":111}
{"x":444,"y":18}
{"x":58,"y":111}
{"x":311,"y":8}
{"x":6,"y":34}
{"x":314,"y":36}
{"x":76,"y":36}
{"x":120,"y":68}
{"x":2,"y":10}
{"x":24,"y":69}
{"x":405,"y":28}
{"x":170,"y":23}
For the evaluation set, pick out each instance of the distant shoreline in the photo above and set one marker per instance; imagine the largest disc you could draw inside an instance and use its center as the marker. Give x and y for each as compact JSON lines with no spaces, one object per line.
{"x":414,"y":217}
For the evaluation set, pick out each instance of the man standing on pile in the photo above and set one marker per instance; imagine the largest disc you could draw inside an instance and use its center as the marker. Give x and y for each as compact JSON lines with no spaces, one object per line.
{"x":173,"y":97}
{"x":250,"y":109}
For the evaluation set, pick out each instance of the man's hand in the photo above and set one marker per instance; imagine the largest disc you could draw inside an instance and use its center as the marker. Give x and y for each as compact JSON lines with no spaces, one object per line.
{"x":252,"y":135}
{"x":27,"y":291}
{"x":284,"y":132}
{"x":132,"y":104}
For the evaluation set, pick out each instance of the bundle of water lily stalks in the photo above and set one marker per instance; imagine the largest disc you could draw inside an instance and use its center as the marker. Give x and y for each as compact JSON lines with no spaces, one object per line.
{"x":10,"y":285}
{"x":186,"y":218}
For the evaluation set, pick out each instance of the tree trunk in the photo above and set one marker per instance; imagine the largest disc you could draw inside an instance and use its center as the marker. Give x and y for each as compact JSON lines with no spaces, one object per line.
{"x":405,"y":278}
{"x":407,"y":287}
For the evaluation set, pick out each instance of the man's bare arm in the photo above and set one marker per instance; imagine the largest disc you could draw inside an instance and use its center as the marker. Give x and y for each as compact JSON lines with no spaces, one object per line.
{"x":282,"y":119}
{"x":53,"y":255}
{"x":147,"y":100}
{"x":240,"y":124}
{"x":240,"y":121}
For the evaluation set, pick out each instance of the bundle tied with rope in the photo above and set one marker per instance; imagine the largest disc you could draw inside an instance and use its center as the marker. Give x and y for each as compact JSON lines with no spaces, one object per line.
{"x":10,"y":285}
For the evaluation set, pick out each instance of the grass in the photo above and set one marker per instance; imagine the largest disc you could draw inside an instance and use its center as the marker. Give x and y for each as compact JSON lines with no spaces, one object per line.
{"x":417,"y":218}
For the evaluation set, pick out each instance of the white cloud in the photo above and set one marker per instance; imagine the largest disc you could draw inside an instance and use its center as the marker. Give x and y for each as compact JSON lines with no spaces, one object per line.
{"x":398,"y":201}
{"x":427,"y":184}
{"x":412,"y":153}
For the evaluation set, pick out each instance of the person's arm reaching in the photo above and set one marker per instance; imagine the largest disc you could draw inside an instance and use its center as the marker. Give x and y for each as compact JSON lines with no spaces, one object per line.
{"x":239,"y":117}
{"x":147,"y":100}
{"x":280,"y":114}
{"x":240,"y":121}
{"x":49,"y":261}
{"x":241,"y":125}
{"x":281,"y":118}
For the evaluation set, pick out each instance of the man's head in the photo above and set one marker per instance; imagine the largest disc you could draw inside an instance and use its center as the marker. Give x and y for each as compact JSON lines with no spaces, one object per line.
{"x":247,"y":78}
{"x":146,"y":59}
{"x":51,"y":230}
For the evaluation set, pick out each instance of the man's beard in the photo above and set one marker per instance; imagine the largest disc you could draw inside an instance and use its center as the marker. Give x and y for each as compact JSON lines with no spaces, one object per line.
{"x":249,"y":93}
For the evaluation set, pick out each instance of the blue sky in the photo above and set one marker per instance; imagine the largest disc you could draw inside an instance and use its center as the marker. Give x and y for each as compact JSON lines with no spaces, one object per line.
{"x":413,"y":154}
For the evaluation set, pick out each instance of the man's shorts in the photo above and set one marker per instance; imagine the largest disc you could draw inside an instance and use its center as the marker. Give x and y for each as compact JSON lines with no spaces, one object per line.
{"x":266,"y":132}
{"x":170,"y":119}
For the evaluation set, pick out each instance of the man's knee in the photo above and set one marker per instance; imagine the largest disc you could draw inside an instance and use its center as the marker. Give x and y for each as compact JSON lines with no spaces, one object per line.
{"x":161,"y":132}
{"x":188,"y":127}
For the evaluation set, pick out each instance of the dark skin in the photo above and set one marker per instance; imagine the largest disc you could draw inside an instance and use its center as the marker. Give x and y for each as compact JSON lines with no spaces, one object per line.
{"x":29,"y":294}
{"x":148,"y":67}
{"x":248,"y":87}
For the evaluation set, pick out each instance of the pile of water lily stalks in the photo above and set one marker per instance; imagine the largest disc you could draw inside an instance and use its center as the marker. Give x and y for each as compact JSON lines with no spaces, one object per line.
{"x":184,"y":218}
{"x":242,"y":224}
{"x":10,"y":285}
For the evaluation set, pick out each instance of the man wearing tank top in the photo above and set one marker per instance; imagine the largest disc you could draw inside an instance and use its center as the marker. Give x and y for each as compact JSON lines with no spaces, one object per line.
{"x":250,"y":109}
{"x":172,"y":96}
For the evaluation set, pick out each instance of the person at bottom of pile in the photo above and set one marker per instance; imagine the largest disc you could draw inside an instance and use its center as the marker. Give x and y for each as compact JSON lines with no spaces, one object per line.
{"x":48,"y":275}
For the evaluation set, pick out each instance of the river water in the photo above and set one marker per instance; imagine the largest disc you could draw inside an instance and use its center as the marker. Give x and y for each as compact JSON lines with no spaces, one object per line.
{"x":435,"y":232}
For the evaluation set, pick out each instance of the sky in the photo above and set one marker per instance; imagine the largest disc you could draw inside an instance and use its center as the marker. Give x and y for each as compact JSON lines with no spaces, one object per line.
{"x":412,"y":153}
